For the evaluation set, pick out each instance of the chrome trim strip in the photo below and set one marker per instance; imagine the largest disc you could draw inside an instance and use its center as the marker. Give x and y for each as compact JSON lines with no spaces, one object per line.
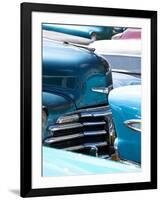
{"x":90,"y":133}
{"x":75,"y":125}
{"x":125,"y":72}
{"x":65,"y":126}
{"x":94,"y":123}
{"x":101,"y":113}
{"x":90,"y":112}
{"x":104,"y":90}
{"x":74,"y":148}
{"x":63,"y":138}
{"x":131,"y":122}
{"x":105,"y":108}
{"x":67,"y":119}
{"x":95,"y":114}
{"x":87,"y":145}
{"x":73,"y":136}
{"x":85,"y":114}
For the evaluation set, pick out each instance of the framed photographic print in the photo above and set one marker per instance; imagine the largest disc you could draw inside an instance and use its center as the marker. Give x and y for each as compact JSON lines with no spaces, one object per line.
{"x":88,"y":99}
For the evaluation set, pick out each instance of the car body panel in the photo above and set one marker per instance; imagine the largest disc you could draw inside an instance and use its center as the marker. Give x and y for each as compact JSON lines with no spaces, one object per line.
{"x":101,"y":32}
{"x":62,"y":163}
{"x":117,"y":30}
{"x":58,"y":36}
{"x":125,"y":103}
{"x":125,"y":63}
{"x":129,"y":33}
{"x":117,"y":47}
{"x":121,"y":79}
{"x":56,"y":105}
{"x":75,"y":73}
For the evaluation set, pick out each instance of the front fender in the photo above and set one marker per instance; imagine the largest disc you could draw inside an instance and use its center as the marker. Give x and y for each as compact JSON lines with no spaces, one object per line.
{"x":55,"y":105}
{"x":126,"y":105}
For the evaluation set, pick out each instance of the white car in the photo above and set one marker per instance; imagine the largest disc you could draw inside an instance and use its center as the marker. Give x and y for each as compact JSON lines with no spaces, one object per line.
{"x":124,"y":56}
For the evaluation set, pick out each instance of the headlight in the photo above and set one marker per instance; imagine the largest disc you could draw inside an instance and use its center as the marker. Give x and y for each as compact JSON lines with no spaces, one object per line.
{"x":68,"y":119}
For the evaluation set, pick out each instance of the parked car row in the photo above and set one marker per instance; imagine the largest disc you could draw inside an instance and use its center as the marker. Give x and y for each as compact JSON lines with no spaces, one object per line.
{"x":90,"y":106}
{"x":79,"y":34}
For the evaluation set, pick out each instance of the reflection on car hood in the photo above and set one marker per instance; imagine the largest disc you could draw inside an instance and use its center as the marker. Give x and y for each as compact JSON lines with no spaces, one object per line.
{"x":118,"y":47}
{"x":120,"y":79}
{"x":60,"y":163}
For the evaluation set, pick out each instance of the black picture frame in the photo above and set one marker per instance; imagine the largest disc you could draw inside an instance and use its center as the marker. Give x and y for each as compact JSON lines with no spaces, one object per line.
{"x":26,"y":103}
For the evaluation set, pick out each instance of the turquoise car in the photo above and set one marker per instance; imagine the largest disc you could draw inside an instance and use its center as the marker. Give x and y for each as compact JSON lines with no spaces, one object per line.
{"x":125,"y":103}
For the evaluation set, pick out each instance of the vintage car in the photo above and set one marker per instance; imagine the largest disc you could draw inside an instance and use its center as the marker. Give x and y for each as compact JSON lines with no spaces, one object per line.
{"x":76,"y":112}
{"x":124,"y":57}
{"x":76,"y":33}
{"x":129,"y":33}
{"x":57,"y":162}
{"x":125,"y":104}
{"x":76,"y":83}
{"x":117,"y":30}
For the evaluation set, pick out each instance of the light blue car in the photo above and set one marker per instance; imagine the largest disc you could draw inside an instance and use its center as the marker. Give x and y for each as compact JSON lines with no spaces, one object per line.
{"x":62,"y":163}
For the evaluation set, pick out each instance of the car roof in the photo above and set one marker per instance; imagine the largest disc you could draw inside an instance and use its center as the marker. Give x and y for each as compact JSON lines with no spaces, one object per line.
{"x":118,"y":47}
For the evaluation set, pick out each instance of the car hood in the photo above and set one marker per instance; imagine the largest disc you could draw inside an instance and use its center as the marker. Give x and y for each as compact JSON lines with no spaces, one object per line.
{"x":62,"y":163}
{"x":120,"y":79}
{"x":74,"y":71}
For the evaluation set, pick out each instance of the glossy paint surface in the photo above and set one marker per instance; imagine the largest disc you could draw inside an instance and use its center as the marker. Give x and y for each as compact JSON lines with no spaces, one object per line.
{"x":73,"y":71}
{"x":56,"y":105}
{"x":121,"y":79}
{"x":82,"y":31}
{"x":117,"y":47}
{"x":130,"y":33}
{"x":126,"y":104}
{"x":62,"y":163}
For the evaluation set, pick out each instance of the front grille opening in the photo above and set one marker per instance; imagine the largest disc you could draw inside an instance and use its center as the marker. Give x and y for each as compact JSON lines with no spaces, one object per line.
{"x":102,"y":151}
{"x":92,"y":132}
{"x":67,"y":132}
{"x":92,"y":119}
{"x":81,"y":141}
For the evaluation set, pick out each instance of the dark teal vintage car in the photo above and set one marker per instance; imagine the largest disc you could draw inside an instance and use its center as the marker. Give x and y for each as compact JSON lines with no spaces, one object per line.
{"x":76,"y":83}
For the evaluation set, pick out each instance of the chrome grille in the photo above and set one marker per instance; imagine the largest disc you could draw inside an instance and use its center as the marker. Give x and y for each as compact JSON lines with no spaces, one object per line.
{"x":90,"y":132}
